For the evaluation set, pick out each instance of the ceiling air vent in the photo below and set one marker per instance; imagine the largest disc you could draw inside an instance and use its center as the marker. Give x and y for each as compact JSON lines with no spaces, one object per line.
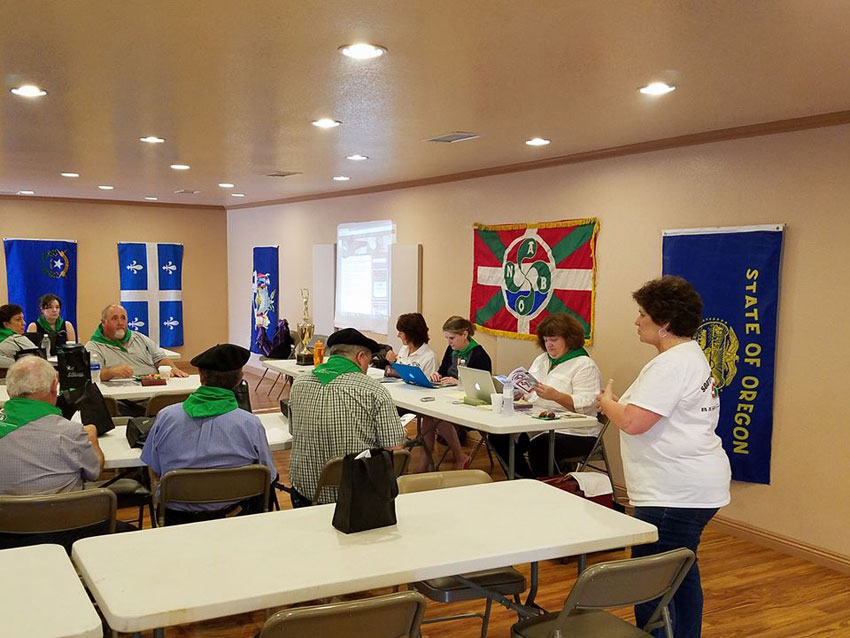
{"x":282,"y":173}
{"x":454,"y":136}
{"x":186,"y":191}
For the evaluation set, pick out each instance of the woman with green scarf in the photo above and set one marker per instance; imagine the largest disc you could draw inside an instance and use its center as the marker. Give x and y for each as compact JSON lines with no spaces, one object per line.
{"x":51,"y":322}
{"x":12,"y":339}
{"x":568,"y":380}
{"x":462,"y":350}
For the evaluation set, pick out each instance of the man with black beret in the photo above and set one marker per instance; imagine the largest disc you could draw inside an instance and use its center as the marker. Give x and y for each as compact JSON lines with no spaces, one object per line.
{"x":336,"y":410}
{"x":207,"y":430}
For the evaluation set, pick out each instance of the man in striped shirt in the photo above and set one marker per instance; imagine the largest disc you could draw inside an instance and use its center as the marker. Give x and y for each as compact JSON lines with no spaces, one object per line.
{"x":337,"y":410}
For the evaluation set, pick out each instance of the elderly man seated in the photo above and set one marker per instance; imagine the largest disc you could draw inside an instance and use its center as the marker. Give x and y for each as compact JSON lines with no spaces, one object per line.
{"x":41,"y":452}
{"x":125,"y":352}
{"x":338,"y":410}
{"x":208,"y":430}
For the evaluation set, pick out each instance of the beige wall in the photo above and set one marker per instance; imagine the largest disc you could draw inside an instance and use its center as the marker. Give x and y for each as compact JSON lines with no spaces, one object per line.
{"x":98,"y":227}
{"x":798,"y":178}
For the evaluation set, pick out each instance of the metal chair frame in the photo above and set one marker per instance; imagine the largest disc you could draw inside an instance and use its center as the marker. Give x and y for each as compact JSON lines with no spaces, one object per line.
{"x":57,"y":512}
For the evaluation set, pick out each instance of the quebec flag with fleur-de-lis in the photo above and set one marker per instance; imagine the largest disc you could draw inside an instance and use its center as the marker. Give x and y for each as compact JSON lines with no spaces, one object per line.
{"x":152,"y":289}
{"x":522,"y":273}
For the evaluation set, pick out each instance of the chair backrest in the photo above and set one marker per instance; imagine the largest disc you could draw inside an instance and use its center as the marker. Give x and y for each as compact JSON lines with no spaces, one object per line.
{"x":391,"y":616}
{"x":622,"y":583}
{"x":57,"y":512}
{"x":439,"y":480}
{"x":219,"y":485}
{"x":331,"y":474}
{"x":159,"y":401}
{"x":111,"y":404}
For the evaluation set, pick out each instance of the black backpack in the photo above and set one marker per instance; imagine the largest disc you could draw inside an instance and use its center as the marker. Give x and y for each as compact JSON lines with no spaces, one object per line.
{"x":281,"y":345}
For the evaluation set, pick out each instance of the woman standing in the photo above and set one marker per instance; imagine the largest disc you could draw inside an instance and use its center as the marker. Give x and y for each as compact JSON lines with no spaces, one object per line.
{"x":677,"y":473}
{"x":51,"y":322}
{"x":568,"y":380}
{"x":12,"y":340}
{"x":462,"y":349}
{"x":413,"y":332}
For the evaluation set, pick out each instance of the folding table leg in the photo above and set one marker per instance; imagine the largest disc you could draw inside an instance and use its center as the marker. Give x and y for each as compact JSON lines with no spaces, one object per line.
{"x":551,"y":452}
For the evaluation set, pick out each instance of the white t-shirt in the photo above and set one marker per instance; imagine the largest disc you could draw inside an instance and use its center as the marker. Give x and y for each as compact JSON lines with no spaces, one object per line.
{"x":679,"y":461}
{"x":424,"y":357}
{"x":580,"y":378}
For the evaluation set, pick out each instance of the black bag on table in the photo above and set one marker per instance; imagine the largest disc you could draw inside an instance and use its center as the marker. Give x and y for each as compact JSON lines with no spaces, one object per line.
{"x":137,"y":430}
{"x":89,"y":401}
{"x":367,"y":493}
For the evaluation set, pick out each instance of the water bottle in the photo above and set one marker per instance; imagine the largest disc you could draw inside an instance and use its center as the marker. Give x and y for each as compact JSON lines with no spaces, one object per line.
{"x":45,"y":345}
{"x":508,"y":398}
{"x":95,"y":365}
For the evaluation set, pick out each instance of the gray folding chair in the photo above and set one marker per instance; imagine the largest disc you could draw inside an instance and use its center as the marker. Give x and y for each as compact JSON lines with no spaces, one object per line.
{"x":220,"y":485}
{"x":331,"y":474}
{"x":159,"y":401}
{"x":504,"y":580}
{"x":619,"y":583}
{"x":392,"y":616}
{"x":597,"y":453}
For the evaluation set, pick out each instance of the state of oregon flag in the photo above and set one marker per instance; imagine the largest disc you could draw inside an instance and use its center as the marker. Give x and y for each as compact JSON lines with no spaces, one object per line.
{"x":524,"y":272}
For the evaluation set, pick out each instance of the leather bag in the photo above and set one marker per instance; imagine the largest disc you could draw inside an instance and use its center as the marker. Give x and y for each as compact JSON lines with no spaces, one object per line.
{"x":367,"y":492}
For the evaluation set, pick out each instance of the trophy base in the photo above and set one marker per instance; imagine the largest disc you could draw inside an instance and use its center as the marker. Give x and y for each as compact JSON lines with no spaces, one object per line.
{"x":304,"y":359}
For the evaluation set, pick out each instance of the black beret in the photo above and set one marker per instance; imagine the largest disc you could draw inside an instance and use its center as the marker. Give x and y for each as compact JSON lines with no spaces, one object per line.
{"x":352,"y":337}
{"x":222,"y":358}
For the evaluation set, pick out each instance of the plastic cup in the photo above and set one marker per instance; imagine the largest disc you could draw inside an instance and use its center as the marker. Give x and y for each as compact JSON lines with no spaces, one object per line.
{"x":496,"y":402}
{"x":164,"y":372}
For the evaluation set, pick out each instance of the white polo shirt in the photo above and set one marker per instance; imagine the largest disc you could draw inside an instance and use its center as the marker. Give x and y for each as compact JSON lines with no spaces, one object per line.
{"x":424,"y":358}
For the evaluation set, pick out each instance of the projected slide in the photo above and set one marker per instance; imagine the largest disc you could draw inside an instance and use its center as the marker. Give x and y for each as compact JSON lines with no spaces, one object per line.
{"x":363,"y":285}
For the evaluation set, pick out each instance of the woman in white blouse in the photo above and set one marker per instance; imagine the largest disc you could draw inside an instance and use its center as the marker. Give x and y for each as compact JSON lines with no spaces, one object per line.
{"x":568,"y":380}
{"x":413,"y":332}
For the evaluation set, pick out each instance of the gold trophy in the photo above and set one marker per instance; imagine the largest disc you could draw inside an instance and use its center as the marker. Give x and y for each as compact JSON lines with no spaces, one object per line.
{"x":303,"y":354}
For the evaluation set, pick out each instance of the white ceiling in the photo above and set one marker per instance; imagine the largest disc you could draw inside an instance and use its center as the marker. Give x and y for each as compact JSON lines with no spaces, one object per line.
{"x":233,"y":86}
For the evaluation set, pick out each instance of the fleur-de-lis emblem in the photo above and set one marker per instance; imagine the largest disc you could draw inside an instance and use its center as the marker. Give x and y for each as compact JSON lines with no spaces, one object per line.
{"x":134,"y":267}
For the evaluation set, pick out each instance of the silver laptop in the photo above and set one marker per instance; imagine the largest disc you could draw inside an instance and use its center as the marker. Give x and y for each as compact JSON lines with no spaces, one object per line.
{"x":478,"y":385}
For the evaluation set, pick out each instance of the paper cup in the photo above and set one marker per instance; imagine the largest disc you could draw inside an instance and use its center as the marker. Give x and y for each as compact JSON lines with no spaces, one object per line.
{"x":165,"y":372}
{"x":496,"y":402}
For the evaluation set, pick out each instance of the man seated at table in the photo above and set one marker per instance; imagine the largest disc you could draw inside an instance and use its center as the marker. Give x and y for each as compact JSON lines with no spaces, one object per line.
{"x":40,"y":451}
{"x":124,"y":352}
{"x":337,"y":410}
{"x":208,"y":430}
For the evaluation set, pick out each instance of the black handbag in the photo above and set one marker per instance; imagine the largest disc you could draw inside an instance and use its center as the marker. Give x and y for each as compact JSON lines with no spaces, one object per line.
{"x":89,"y":401}
{"x":137,"y":430}
{"x":367,"y":493}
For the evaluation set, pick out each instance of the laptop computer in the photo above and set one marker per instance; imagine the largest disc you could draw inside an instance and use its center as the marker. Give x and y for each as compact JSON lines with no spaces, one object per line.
{"x":413,"y":375}
{"x":478,"y":385}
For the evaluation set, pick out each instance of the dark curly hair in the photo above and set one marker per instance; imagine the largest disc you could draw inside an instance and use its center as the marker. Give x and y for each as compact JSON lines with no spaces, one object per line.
{"x":458,"y":324}
{"x":8,"y":311}
{"x":414,"y":327}
{"x":672,"y":300}
{"x":47,"y":300}
{"x":561,"y":324}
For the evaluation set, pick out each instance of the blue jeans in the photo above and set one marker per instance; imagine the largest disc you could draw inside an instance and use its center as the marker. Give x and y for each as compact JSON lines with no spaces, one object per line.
{"x":677,"y":527}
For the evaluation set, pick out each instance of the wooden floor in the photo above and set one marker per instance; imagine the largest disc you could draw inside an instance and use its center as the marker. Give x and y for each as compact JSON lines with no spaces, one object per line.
{"x":750,"y":591}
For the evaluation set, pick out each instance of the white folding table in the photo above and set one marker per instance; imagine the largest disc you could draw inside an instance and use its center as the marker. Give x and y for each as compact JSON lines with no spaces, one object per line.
{"x":41,"y":596}
{"x":187,"y":573}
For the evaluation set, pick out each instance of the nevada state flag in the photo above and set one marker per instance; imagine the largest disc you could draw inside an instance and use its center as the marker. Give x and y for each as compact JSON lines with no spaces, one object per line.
{"x":152,"y":289}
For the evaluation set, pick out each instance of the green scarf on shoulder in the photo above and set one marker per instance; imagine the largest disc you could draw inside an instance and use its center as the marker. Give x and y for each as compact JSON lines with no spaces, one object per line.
{"x":465,"y":352}
{"x":5,"y":333}
{"x":99,"y":337}
{"x":60,"y":323}
{"x":209,"y":401}
{"x":572,"y":354}
{"x":20,"y":411}
{"x":335,"y":366}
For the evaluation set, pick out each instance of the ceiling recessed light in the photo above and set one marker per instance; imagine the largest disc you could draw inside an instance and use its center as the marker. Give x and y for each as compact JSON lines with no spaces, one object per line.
{"x":537,"y":141}
{"x":226,"y":185}
{"x":106,"y":187}
{"x":326,"y":122}
{"x":70,"y":174}
{"x":26,"y":192}
{"x":362,"y":51}
{"x":152,"y":139}
{"x":152,"y":199}
{"x":237,"y":194}
{"x":657,"y":88}
{"x":29,"y":90}
{"x":180,"y":167}
{"x":357,"y":157}
{"x":342,"y":178}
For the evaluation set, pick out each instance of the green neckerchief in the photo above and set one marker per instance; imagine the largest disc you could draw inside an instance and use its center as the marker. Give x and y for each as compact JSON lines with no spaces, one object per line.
{"x":5,"y":333}
{"x":20,"y":411}
{"x":463,"y":353}
{"x":334,"y":367}
{"x":572,"y":354}
{"x":44,"y":324}
{"x":209,"y":401}
{"x":99,"y":337}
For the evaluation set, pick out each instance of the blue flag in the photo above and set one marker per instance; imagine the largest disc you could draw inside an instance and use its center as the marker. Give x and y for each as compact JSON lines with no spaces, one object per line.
{"x":736,"y":272}
{"x":35,"y":267}
{"x":264,"y":298}
{"x":152,"y":289}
